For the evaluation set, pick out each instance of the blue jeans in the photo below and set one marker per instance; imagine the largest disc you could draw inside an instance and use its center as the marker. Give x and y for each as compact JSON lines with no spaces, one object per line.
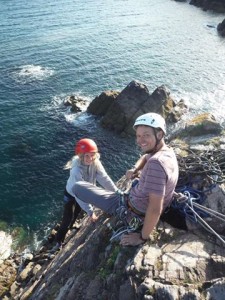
{"x":105,"y":200}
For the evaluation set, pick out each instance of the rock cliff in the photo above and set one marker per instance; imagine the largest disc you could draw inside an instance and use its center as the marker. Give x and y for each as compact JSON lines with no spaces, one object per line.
{"x":173,"y":264}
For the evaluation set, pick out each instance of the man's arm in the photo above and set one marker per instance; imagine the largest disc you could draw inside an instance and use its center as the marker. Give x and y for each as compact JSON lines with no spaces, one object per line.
{"x":152,"y":216}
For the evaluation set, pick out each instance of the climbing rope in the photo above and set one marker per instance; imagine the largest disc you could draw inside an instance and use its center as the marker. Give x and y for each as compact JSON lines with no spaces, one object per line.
{"x":188,"y":205}
{"x":186,"y":199}
{"x":207,"y":166}
{"x":199,"y":173}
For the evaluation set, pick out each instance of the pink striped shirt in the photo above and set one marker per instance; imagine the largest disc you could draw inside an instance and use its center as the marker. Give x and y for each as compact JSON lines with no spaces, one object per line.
{"x":159,"y":176}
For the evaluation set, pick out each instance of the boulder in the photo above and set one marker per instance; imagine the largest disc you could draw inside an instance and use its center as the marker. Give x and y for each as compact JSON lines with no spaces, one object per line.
{"x":119,"y":110}
{"x":101,"y":103}
{"x":221,"y":28}
{"x":177,"y":112}
{"x":8,"y":272}
{"x":216,"y":5}
{"x":203,"y":124}
{"x":77,"y":104}
{"x":198,"y":131}
{"x":217,"y":193}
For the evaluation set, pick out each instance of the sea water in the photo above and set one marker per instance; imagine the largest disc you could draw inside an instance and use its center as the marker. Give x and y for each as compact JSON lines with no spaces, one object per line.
{"x":50,"y":50}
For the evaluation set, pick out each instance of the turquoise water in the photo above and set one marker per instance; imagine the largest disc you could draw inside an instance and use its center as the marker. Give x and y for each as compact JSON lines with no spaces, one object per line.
{"x":52,"y":49}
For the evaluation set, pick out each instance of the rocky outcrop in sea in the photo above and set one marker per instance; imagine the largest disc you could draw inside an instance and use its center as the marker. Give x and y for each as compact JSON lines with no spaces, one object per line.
{"x":217,"y":6}
{"x":122,"y":108}
{"x":221,"y":28}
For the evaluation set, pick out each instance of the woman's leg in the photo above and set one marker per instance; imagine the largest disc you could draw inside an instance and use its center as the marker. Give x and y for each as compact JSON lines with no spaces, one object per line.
{"x":77,"y":210}
{"x":66,"y":220}
{"x":99,"y":197}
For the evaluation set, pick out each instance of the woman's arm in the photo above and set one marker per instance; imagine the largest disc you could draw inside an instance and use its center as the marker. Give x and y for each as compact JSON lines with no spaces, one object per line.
{"x":103,"y":178}
{"x":139,"y":165}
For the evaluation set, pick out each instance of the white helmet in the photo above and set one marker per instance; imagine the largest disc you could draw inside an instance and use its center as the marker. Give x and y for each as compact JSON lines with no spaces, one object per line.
{"x":151,"y":119}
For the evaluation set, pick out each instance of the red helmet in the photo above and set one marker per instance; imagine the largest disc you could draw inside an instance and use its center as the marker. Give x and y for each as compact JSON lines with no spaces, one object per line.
{"x":85,"y":145}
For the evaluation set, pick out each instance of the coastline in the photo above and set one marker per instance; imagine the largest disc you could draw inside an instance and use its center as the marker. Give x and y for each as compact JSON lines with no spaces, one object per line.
{"x":47,"y":261}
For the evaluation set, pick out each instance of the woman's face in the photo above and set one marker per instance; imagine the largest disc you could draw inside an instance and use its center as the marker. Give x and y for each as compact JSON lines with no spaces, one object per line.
{"x":89,"y":158}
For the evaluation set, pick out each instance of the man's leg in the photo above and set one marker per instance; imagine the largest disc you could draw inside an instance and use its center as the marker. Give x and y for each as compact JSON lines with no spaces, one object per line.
{"x":174,"y":218}
{"x":99,"y":197}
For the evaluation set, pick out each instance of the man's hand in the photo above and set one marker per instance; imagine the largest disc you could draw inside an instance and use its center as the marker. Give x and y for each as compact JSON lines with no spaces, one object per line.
{"x":131,"y":239}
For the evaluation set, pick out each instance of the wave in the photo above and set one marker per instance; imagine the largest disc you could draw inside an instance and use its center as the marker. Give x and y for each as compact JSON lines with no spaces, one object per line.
{"x":56,"y":107}
{"x":29,"y":73}
{"x":211,"y":101}
{"x":81,"y":120}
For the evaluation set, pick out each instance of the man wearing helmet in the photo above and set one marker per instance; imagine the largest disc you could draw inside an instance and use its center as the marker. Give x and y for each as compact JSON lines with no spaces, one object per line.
{"x":158,"y":175}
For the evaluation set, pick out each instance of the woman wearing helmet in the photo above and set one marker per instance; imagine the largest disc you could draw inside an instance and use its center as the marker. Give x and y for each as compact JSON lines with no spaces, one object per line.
{"x":158,"y":175}
{"x":84,"y":166}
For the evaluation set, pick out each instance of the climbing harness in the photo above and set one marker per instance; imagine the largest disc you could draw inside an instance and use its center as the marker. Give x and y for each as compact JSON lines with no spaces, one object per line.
{"x":132,"y":226}
{"x":125,"y":221}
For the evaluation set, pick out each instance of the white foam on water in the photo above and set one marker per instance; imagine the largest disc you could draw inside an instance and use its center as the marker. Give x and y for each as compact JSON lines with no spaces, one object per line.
{"x":205,"y":101}
{"x":80,"y":119}
{"x":30,"y":73}
{"x":56,"y":105}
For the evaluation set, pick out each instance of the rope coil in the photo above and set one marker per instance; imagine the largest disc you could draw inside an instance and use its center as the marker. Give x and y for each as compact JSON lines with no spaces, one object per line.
{"x":196,"y":167}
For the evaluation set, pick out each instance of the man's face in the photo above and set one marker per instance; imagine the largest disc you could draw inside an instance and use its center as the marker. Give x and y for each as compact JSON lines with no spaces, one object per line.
{"x":145,"y":138}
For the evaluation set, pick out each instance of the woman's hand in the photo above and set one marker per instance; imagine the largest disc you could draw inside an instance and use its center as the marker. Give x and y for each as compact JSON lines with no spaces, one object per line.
{"x":130,"y":174}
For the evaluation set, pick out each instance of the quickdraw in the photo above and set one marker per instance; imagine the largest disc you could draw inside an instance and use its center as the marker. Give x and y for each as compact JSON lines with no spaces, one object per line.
{"x":133,"y":225}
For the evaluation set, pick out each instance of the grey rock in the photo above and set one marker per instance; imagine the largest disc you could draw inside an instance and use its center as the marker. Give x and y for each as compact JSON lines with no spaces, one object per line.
{"x":119,"y":110}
